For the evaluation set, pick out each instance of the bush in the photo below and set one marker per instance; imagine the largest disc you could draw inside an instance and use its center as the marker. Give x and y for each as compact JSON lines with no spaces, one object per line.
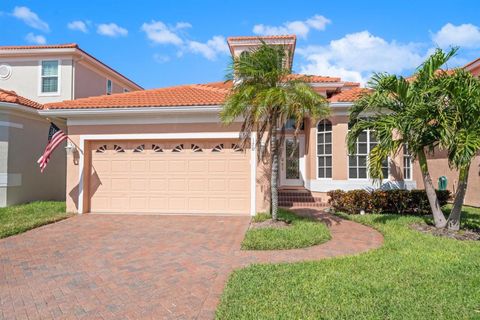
{"x":385,"y":201}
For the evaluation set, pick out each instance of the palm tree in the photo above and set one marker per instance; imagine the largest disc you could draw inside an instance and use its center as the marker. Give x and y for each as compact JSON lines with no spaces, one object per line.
{"x":461,"y":135}
{"x":266,"y":97}
{"x":404,"y":113}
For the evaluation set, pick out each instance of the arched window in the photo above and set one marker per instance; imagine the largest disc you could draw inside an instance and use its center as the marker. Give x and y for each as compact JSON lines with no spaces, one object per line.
{"x":324,"y":149}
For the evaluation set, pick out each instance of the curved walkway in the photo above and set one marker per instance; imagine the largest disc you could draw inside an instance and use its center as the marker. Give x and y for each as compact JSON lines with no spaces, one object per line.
{"x":142,"y":267}
{"x":348,"y":238}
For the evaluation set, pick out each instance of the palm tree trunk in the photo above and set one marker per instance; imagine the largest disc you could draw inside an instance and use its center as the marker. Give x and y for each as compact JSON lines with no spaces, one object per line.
{"x":453,"y":222}
{"x":438,"y":217}
{"x":274,"y":175}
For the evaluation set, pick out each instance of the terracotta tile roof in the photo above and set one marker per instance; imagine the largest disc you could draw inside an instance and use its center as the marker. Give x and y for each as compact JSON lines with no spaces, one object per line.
{"x":350,"y":95}
{"x":186,"y":95}
{"x":351,"y":84}
{"x":287,"y":37}
{"x":12,"y":97}
{"x":46,"y":46}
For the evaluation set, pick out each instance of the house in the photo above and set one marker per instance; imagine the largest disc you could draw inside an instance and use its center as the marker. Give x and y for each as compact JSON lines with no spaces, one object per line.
{"x":29,"y":77}
{"x":23,"y":136}
{"x":165,"y":150}
{"x":57,"y":73}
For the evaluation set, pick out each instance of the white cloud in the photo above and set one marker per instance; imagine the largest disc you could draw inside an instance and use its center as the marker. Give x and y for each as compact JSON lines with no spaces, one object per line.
{"x":30,"y":18}
{"x":300,"y":28}
{"x":464,"y":35}
{"x":211,"y":48}
{"x":35,"y":39}
{"x":160,"y":58}
{"x":159,"y":32}
{"x":78,"y":25}
{"x":357,"y":55}
{"x":182,"y":25}
{"x":111,"y":30}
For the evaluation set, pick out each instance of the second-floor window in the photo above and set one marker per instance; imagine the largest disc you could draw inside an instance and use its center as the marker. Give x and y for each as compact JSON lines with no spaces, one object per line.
{"x":109,"y":87}
{"x":49,"y":76}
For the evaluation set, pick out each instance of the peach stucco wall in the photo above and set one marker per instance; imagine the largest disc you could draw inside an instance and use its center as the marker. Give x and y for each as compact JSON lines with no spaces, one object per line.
{"x":76,"y":131}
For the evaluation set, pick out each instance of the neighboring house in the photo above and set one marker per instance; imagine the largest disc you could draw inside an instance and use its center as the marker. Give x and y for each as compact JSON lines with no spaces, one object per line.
{"x":165,"y":150}
{"x":29,"y":77}
{"x":51,"y":73}
{"x":23,"y":136}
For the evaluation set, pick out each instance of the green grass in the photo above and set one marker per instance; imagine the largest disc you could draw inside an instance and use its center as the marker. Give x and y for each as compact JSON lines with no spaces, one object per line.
{"x":413,"y":276}
{"x":302,"y":233}
{"x":20,"y":218}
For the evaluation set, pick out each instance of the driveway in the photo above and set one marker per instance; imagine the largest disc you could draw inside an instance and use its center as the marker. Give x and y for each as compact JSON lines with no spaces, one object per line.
{"x":142,"y":267}
{"x":118,"y":267}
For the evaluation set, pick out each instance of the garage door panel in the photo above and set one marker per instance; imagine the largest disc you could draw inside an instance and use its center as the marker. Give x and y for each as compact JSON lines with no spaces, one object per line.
{"x":138,"y":184}
{"x":138,"y":166}
{"x":158,"y":166}
{"x":158,"y":185}
{"x":120,"y":166}
{"x":177,"y":166}
{"x":148,"y":176}
{"x":197,"y":185}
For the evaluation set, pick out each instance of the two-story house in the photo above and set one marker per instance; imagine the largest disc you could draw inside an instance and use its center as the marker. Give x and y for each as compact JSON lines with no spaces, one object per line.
{"x":29,"y":77}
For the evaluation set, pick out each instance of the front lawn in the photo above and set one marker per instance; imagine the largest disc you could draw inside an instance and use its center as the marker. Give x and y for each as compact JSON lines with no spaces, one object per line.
{"x":413,"y":276}
{"x":20,"y":218}
{"x":302,"y":232}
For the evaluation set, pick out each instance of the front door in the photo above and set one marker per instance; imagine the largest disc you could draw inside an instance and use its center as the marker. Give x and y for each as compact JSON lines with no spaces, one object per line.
{"x":292,"y":163}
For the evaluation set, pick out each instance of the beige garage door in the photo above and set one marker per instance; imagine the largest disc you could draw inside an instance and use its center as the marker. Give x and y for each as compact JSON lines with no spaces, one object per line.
{"x":208,"y":177}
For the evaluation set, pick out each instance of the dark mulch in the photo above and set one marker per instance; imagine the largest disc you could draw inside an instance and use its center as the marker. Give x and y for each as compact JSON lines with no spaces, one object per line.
{"x":269,"y":224}
{"x":458,"y":235}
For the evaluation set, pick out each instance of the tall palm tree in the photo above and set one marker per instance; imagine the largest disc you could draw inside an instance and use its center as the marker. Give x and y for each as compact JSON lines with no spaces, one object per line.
{"x":266,"y":97}
{"x":404,"y":112}
{"x":461,"y":135}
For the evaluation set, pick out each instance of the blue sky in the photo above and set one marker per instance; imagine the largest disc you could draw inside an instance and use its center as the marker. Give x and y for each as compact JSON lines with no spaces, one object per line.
{"x":163,"y":43}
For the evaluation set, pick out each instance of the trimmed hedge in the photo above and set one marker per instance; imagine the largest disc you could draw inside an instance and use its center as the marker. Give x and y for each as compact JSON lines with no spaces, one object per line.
{"x":385,"y":201}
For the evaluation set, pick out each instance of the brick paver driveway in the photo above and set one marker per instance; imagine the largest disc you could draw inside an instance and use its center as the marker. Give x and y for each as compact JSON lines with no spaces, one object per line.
{"x":142,"y":267}
{"x":116,"y":267}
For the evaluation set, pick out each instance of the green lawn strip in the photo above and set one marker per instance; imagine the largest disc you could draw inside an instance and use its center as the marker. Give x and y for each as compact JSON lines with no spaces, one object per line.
{"x":413,"y":276}
{"x":303,"y":232}
{"x":20,"y":218}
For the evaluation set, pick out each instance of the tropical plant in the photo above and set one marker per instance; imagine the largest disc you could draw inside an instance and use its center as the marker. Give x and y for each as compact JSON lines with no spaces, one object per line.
{"x":265,"y":95}
{"x":404,"y":112}
{"x":461,"y":134}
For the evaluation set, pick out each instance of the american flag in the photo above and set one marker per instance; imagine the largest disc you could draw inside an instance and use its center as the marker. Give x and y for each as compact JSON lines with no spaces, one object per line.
{"x":55,"y":138}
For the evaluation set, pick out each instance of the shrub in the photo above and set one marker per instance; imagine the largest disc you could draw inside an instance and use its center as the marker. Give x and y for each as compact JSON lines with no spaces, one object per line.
{"x":385,"y":201}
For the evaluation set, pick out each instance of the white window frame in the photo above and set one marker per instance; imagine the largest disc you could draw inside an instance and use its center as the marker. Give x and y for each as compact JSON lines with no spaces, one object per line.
{"x":316,"y":150}
{"x":409,"y":157}
{"x":111,"y":87}
{"x":369,"y":132}
{"x":40,"y":77}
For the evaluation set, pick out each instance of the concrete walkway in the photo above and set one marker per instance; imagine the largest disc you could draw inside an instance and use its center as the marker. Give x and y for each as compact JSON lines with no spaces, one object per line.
{"x":142,"y":267}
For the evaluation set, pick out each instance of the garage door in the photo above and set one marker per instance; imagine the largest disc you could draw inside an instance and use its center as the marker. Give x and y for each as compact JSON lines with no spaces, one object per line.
{"x":208,"y":177}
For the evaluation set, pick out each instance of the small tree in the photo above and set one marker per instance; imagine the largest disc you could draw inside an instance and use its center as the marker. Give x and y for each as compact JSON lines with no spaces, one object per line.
{"x":460,"y":119}
{"x":405,"y":112}
{"x":266,"y":97}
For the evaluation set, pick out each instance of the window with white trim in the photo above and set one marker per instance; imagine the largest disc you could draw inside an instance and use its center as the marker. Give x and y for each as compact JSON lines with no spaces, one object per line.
{"x":324,"y":149}
{"x":109,"y":87}
{"x":358,"y":161}
{"x":49,"y":76}
{"x":407,"y":163}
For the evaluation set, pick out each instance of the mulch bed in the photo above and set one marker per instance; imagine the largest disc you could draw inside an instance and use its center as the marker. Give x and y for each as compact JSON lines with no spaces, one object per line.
{"x":458,"y":235}
{"x":269,"y":224}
